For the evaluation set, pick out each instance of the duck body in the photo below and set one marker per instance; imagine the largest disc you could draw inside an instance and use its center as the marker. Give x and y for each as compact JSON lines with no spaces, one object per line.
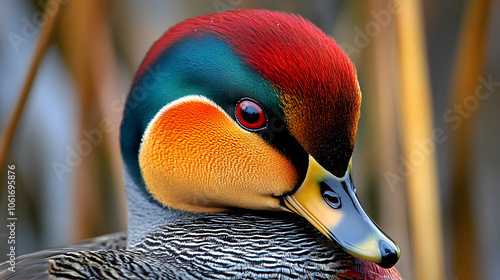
{"x":242,"y":245}
{"x":236,"y":122}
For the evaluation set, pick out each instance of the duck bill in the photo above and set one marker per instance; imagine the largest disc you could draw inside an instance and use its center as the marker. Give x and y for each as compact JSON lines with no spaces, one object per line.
{"x":330,"y":204}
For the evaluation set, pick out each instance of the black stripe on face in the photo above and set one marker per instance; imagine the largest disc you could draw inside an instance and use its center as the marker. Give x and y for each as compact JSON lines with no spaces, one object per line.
{"x":276,"y":133}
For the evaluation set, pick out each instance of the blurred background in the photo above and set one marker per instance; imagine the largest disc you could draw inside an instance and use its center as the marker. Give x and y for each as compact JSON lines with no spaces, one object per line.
{"x":427,"y":159}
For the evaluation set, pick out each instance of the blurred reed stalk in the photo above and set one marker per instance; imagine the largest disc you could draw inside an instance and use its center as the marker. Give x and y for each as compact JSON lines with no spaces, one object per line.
{"x":392,"y":202}
{"x":87,"y":48}
{"x":45,"y":36}
{"x":416,"y":127}
{"x":469,"y":65}
{"x":75,"y":39}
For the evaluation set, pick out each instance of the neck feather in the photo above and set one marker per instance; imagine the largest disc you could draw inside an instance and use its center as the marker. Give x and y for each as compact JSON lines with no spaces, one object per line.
{"x":144,"y":213}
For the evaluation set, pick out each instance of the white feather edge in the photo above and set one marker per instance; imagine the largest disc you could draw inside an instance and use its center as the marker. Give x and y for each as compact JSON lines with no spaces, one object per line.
{"x":184,"y":99}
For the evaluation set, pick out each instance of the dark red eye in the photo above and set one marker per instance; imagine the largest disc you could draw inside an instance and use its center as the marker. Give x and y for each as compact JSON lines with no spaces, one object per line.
{"x":250,"y":114}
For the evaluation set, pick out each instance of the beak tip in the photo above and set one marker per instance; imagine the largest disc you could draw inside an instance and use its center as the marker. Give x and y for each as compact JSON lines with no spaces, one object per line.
{"x":390,"y":254}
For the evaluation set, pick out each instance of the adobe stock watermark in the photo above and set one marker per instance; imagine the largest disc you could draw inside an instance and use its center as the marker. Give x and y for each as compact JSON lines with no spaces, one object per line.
{"x":150,"y":82}
{"x":11,"y":217}
{"x":83,"y":148}
{"x":453,"y":116}
{"x":31,"y":25}
{"x":226,"y":5}
{"x":381,"y":19}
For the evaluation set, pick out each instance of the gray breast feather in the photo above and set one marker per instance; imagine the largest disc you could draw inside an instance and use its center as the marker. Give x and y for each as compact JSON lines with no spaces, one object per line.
{"x":245,"y":246}
{"x":209,"y":246}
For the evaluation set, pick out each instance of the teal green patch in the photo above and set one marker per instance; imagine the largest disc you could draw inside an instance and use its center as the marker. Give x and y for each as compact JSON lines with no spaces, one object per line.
{"x":194,"y":66}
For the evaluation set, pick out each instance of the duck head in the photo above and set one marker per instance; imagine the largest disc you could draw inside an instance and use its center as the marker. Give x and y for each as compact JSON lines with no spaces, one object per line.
{"x":251,"y":109}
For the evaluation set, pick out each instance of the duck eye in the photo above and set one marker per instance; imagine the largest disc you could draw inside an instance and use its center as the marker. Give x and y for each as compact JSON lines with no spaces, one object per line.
{"x":250,"y":114}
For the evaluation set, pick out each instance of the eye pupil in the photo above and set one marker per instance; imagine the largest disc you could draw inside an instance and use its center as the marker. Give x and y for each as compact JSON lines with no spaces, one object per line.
{"x":250,"y":114}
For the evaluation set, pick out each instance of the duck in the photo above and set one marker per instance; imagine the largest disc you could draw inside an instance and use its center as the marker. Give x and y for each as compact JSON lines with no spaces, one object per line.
{"x":237,"y":137}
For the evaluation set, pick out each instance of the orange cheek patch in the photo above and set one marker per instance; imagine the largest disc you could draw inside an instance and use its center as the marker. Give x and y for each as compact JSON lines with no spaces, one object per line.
{"x":194,"y":157}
